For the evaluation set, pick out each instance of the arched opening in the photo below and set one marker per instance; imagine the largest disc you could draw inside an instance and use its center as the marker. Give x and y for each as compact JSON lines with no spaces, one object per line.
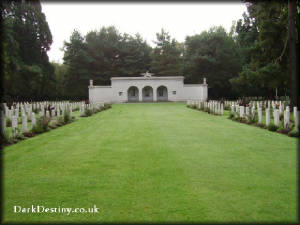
{"x":133,"y":94}
{"x":162,"y":93}
{"x":147,"y":94}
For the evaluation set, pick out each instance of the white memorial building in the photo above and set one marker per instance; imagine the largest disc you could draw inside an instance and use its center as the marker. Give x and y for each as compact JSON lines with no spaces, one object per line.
{"x":147,"y":88}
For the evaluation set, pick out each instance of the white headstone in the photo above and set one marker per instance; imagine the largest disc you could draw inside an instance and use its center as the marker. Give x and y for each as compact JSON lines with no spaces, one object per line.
{"x":242,"y":111}
{"x":276,"y":117}
{"x":14,"y":125}
{"x":33,"y":120}
{"x":232,"y":109}
{"x":267,"y":116}
{"x":296,"y":118}
{"x":16,"y":112}
{"x":24,"y":123}
{"x":286,"y":117}
{"x":259,"y":115}
{"x":41,"y":114}
{"x":222,"y":109}
{"x":247,"y":113}
{"x":253,"y":112}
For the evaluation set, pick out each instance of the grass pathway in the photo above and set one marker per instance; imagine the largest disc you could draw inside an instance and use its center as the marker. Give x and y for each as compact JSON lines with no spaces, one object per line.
{"x":154,"y":162}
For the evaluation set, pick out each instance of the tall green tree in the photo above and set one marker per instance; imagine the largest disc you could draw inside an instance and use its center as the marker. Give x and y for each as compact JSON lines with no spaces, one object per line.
{"x":266,"y":66}
{"x":294,"y":68}
{"x":101,"y":55}
{"x":212,"y":54}
{"x":166,"y":56}
{"x":60,"y":71}
{"x":26,"y":40}
{"x":77,"y":62}
{"x":135,"y":55}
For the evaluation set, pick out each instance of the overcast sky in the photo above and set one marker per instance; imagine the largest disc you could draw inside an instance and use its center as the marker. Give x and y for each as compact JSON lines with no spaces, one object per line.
{"x":179,"y":19}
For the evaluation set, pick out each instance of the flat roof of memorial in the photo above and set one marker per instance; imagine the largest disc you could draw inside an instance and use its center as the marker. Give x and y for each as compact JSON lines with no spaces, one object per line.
{"x":148,"y":78}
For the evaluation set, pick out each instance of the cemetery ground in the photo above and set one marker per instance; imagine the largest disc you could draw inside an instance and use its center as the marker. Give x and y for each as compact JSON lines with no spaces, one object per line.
{"x":153,"y":163}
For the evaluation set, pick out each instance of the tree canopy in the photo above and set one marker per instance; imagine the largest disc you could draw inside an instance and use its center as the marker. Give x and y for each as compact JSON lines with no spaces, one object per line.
{"x":26,"y":38}
{"x":255,"y":58}
{"x":262,"y":37}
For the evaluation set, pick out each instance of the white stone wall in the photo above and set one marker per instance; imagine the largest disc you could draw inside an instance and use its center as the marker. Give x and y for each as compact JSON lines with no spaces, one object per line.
{"x":194,"y":92}
{"x":118,"y":91}
{"x":99,"y":94}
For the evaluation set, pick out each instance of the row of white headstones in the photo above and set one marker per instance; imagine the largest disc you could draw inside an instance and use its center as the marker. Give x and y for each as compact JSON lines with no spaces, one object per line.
{"x":26,"y":112}
{"x":249,"y":112}
{"x":278,"y":108}
{"x":215,"y":107}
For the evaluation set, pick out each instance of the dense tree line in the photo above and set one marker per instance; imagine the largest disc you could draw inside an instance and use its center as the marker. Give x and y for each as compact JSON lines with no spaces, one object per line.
{"x":25,"y":40}
{"x":251,"y":60}
{"x":263,"y":38}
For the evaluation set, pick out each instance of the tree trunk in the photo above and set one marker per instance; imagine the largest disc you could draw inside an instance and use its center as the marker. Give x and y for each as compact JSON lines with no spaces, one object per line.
{"x":292,"y":46}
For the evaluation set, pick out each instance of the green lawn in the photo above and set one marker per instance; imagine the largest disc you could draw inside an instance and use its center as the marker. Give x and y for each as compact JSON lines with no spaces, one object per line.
{"x":154,"y":162}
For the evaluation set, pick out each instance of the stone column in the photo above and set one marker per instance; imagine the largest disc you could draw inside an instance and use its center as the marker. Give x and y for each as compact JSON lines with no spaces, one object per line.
{"x":140,"y":94}
{"x":154,"y":94}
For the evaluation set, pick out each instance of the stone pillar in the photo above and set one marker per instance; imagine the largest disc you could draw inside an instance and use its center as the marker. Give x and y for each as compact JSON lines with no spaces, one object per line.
{"x":267,"y":116}
{"x":140,"y":94}
{"x":155,"y":94}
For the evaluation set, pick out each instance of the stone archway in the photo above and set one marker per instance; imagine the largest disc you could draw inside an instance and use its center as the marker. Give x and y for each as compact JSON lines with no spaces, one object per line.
{"x":162,"y":93}
{"x":133,"y":94}
{"x":147,"y":94}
